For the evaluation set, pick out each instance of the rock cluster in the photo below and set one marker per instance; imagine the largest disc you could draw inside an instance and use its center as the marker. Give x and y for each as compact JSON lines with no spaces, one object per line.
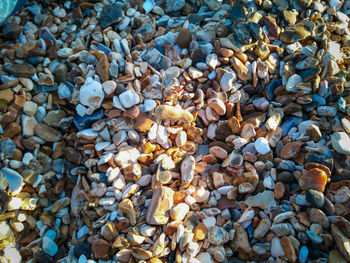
{"x":175,"y":131}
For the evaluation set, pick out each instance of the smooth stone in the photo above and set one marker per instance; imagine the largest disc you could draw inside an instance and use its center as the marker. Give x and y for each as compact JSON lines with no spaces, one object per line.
{"x":227,"y":81}
{"x":276,"y":248}
{"x":49,"y":246}
{"x":148,"y":5}
{"x":85,"y":122}
{"x":20,"y":70}
{"x":314,"y":238}
{"x":63,"y":91}
{"x":341,"y":142}
{"x":13,"y":178}
{"x":47,"y":133}
{"x":315,"y":198}
{"x":303,"y":254}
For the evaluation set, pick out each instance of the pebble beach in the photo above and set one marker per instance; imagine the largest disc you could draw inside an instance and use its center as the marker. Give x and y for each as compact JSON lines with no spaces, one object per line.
{"x":197,"y":131}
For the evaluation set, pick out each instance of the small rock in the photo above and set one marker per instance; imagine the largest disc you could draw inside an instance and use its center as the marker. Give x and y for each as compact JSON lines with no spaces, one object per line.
{"x":262,"y":145}
{"x":101,"y":249}
{"x":187,"y":170}
{"x":129,"y":98}
{"x":217,"y":235}
{"x":49,"y":246}
{"x":20,"y":70}
{"x":161,"y":203}
{"x":227,"y":81}
{"x":341,"y":142}
{"x":315,"y":198}
{"x":184,"y":38}
{"x":111,"y":14}
{"x":263,"y":200}
{"x":91,"y":94}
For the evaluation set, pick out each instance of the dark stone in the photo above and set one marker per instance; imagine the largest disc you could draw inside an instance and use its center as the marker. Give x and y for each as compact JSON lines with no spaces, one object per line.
{"x":317,"y":100}
{"x":238,"y":13}
{"x":11,"y":30}
{"x":184,"y":38}
{"x":58,"y":166}
{"x":35,"y":60}
{"x":287,"y":165}
{"x":111,"y":14}
{"x":194,"y":19}
{"x":86,"y":121}
{"x":286,"y":177}
{"x":82,"y":248}
{"x":45,"y":88}
{"x":198,"y":55}
{"x":255,"y":30}
{"x":328,"y":207}
{"x":315,"y":198}
{"x":156,"y":59}
{"x":41,"y":257}
{"x":223,"y":131}
{"x":242,"y":33}
{"x":45,"y":33}
{"x":326,"y":159}
{"x":61,"y":73}
{"x":290,"y":123}
{"x":270,"y":88}
{"x":99,"y":178}
{"x":308,"y":74}
{"x":20,"y":70}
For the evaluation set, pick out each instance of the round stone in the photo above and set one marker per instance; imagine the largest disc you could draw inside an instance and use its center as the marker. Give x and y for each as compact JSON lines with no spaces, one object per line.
{"x":262,"y":145}
{"x":341,"y":142}
{"x":315,"y":198}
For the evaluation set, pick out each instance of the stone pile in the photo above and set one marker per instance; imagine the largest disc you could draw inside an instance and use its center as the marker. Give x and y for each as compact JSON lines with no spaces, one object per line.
{"x":175,"y":131}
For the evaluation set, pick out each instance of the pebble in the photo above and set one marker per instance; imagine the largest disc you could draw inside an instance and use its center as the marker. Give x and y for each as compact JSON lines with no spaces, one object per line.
{"x":91,"y":94}
{"x":262,"y":146}
{"x":49,"y":246}
{"x":341,"y":142}
{"x":129,"y":98}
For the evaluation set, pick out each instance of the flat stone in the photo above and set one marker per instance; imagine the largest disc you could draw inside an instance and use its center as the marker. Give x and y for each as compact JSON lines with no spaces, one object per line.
{"x":217,"y":235}
{"x":49,"y":246}
{"x":159,"y":208}
{"x":187,"y":170}
{"x":20,"y":70}
{"x":111,"y":14}
{"x":263,"y":200}
{"x":101,"y":249}
{"x":47,"y":133}
{"x":156,"y":59}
